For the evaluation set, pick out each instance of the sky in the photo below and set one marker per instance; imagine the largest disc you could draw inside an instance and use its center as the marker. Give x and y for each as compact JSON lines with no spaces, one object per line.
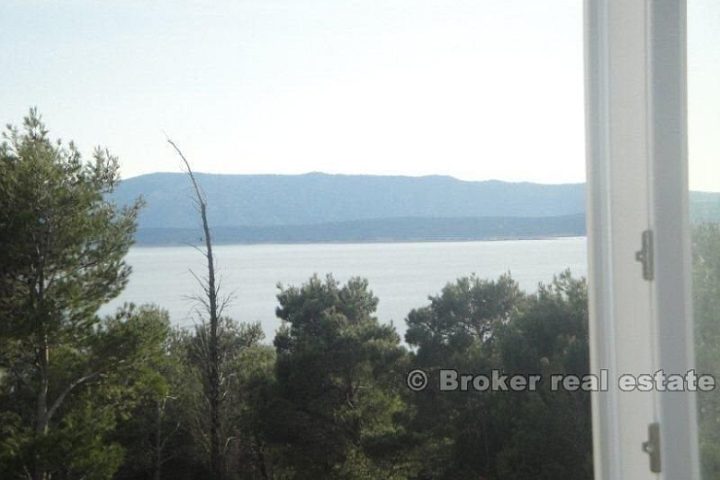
{"x":469,"y":88}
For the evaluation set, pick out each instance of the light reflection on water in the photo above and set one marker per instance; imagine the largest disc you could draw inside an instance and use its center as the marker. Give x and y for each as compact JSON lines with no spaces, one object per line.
{"x":402,"y":275}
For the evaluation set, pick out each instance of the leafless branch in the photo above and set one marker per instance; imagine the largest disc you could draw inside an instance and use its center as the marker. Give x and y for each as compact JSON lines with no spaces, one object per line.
{"x":68,"y":389}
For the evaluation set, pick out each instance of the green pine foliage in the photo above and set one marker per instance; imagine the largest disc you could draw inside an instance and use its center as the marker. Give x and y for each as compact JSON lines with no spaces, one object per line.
{"x":67,"y":374}
{"x":706,"y":292}
{"x":475,"y":326}
{"x":124,"y":397}
{"x":337,"y":396}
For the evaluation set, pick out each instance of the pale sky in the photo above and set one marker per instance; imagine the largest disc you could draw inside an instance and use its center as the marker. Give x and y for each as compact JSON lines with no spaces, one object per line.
{"x":469,"y":88}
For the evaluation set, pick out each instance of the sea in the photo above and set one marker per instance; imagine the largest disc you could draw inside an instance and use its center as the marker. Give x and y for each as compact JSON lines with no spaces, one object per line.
{"x":402,"y":275}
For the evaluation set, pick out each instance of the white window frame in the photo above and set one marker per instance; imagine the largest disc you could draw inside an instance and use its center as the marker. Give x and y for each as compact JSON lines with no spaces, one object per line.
{"x":636,"y":126}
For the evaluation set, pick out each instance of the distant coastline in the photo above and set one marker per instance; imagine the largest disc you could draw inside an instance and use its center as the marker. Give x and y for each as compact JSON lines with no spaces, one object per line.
{"x":390,"y":241}
{"x":389,"y":230}
{"x":323,"y":208}
{"x":368,"y":242}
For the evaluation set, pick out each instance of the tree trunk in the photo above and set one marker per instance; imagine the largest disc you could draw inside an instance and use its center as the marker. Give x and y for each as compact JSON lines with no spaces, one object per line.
{"x":41,"y":422}
{"x":261,"y":459}
{"x":214,"y":380}
{"x":158,"y":442}
{"x":43,"y":363}
{"x":213,"y":371}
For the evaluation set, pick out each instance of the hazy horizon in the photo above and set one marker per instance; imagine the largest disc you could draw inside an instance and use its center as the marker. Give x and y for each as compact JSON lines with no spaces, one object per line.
{"x":316,"y":172}
{"x":717,"y":190}
{"x":473,"y":90}
{"x":470,"y":89}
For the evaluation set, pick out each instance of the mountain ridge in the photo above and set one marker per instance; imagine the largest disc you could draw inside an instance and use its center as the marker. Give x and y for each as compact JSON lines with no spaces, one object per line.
{"x":320,"y":207}
{"x":265,"y":200}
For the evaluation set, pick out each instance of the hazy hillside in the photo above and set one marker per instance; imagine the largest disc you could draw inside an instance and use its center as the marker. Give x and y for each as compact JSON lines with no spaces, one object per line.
{"x":265,"y":200}
{"x":317,"y":207}
{"x":705,"y":206}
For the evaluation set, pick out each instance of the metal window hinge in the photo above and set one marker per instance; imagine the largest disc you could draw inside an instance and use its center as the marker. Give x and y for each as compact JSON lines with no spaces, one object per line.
{"x":652,"y":447}
{"x":645,"y":255}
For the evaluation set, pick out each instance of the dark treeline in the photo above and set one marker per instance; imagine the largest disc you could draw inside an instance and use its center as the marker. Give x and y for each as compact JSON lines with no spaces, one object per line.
{"x":125,"y":396}
{"x":381,"y":230}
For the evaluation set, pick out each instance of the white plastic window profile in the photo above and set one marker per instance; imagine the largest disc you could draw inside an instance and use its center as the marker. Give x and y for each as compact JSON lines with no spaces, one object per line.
{"x":638,"y":235}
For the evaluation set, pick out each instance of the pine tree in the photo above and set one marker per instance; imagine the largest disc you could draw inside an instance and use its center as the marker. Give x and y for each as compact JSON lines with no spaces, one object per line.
{"x":62,"y":246}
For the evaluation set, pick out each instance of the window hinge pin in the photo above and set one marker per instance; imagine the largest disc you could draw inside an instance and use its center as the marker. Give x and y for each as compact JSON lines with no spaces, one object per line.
{"x":652,"y":446}
{"x":646,"y":255}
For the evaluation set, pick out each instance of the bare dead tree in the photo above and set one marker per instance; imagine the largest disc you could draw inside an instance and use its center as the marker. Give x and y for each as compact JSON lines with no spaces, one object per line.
{"x":210,"y":301}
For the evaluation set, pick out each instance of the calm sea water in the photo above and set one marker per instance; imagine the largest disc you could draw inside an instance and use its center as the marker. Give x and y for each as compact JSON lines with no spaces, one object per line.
{"x":402,"y":275}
